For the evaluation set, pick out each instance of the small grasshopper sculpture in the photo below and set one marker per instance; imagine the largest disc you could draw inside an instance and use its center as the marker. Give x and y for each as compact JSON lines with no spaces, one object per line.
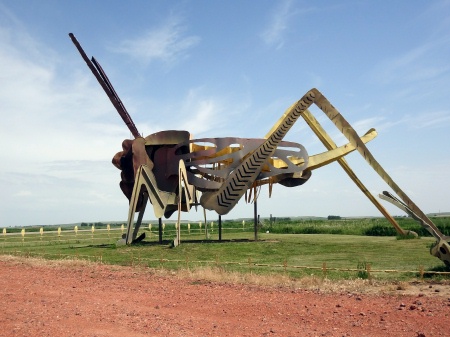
{"x":171,"y":170}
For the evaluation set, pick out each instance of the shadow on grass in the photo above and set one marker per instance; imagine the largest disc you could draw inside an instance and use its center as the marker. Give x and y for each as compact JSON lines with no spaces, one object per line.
{"x":169,"y":242}
{"x":430,"y":273}
{"x":440,"y":268}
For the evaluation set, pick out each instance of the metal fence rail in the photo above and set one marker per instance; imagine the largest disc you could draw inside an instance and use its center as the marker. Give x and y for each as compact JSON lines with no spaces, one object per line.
{"x":110,"y":234}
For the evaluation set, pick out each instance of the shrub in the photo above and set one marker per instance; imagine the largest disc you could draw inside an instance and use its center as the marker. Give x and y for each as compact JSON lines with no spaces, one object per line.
{"x":362,"y":270}
{"x":334,"y":217}
{"x":380,"y":230}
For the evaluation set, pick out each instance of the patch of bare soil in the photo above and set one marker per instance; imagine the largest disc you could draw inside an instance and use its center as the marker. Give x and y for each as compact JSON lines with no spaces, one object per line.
{"x":42,"y":298}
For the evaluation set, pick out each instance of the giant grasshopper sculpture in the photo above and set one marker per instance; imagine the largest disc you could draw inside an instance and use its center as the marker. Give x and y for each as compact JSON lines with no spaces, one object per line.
{"x":171,"y":170}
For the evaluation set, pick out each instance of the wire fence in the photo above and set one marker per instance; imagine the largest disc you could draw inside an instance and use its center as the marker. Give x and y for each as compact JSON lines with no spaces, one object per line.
{"x":110,"y":234}
{"x":27,"y":240}
{"x":365,"y":272}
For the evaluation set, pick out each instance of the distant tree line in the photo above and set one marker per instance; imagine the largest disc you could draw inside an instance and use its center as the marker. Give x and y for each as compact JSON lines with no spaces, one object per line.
{"x":95,"y":224}
{"x":274,"y":219}
{"x":334,"y":217}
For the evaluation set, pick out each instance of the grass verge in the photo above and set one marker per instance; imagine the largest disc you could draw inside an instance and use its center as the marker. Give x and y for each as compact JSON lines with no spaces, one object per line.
{"x":295,"y":256}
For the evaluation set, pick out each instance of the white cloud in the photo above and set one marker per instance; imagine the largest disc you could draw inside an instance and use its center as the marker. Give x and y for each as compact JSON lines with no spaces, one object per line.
{"x":273,"y":35}
{"x":47,"y":116}
{"x":202,"y":114}
{"x":59,"y":131}
{"x":413,"y":65}
{"x":55,"y":124}
{"x":23,"y":194}
{"x":436,"y":119}
{"x":167,"y":43}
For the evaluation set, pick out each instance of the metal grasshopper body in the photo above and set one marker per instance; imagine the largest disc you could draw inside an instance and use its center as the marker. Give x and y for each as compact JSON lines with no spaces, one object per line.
{"x":171,"y":170}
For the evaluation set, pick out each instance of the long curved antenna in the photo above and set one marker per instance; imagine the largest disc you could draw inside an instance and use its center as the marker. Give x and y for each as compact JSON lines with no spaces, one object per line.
{"x":122,"y":111}
{"x":101,"y":77}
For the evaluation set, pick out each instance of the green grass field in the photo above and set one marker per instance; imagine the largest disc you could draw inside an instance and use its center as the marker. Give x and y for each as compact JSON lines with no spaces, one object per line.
{"x":296,"y":255}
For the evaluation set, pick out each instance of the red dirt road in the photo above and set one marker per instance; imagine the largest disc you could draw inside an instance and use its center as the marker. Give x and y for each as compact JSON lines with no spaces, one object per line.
{"x":74,"y":299}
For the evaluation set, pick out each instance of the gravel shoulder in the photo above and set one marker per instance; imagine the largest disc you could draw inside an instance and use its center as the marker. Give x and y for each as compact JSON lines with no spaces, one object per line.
{"x":44,"y":298}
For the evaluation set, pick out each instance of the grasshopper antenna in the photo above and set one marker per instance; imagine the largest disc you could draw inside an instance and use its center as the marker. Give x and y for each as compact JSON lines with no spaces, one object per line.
{"x":101,"y":77}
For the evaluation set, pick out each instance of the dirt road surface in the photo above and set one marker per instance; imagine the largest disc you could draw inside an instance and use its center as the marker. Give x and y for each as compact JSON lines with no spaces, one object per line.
{"x":40,"y":298}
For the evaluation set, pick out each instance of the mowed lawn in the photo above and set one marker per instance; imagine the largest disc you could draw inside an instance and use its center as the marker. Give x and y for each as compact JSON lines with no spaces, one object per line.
{"x":272,"y":253}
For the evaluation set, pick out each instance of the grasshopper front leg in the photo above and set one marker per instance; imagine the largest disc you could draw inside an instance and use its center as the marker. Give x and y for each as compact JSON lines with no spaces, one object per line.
{"x":145,"y":187}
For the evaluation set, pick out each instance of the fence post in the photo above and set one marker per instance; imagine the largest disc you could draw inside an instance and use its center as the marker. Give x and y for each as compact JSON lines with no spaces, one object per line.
{"x":255,"y":217}
{"x":368,"y":269}
{"x":324,"y":269}
{"x":4,"y":237}
{"x":421,"y":272}
{"x":217,"y":260}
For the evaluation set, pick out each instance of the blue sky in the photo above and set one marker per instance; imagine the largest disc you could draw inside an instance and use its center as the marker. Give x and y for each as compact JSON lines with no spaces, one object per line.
{"x":219,"y":68}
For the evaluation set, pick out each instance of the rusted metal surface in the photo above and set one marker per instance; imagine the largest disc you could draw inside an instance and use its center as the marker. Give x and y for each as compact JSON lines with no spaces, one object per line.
{"x":175,"y":172}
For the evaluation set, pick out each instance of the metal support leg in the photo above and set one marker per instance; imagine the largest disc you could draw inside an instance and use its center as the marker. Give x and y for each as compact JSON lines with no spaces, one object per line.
{"x":138,"y":223}
{"x":220,"y":227}
{"x":255,"y":215}
{"x":160,"y":230}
